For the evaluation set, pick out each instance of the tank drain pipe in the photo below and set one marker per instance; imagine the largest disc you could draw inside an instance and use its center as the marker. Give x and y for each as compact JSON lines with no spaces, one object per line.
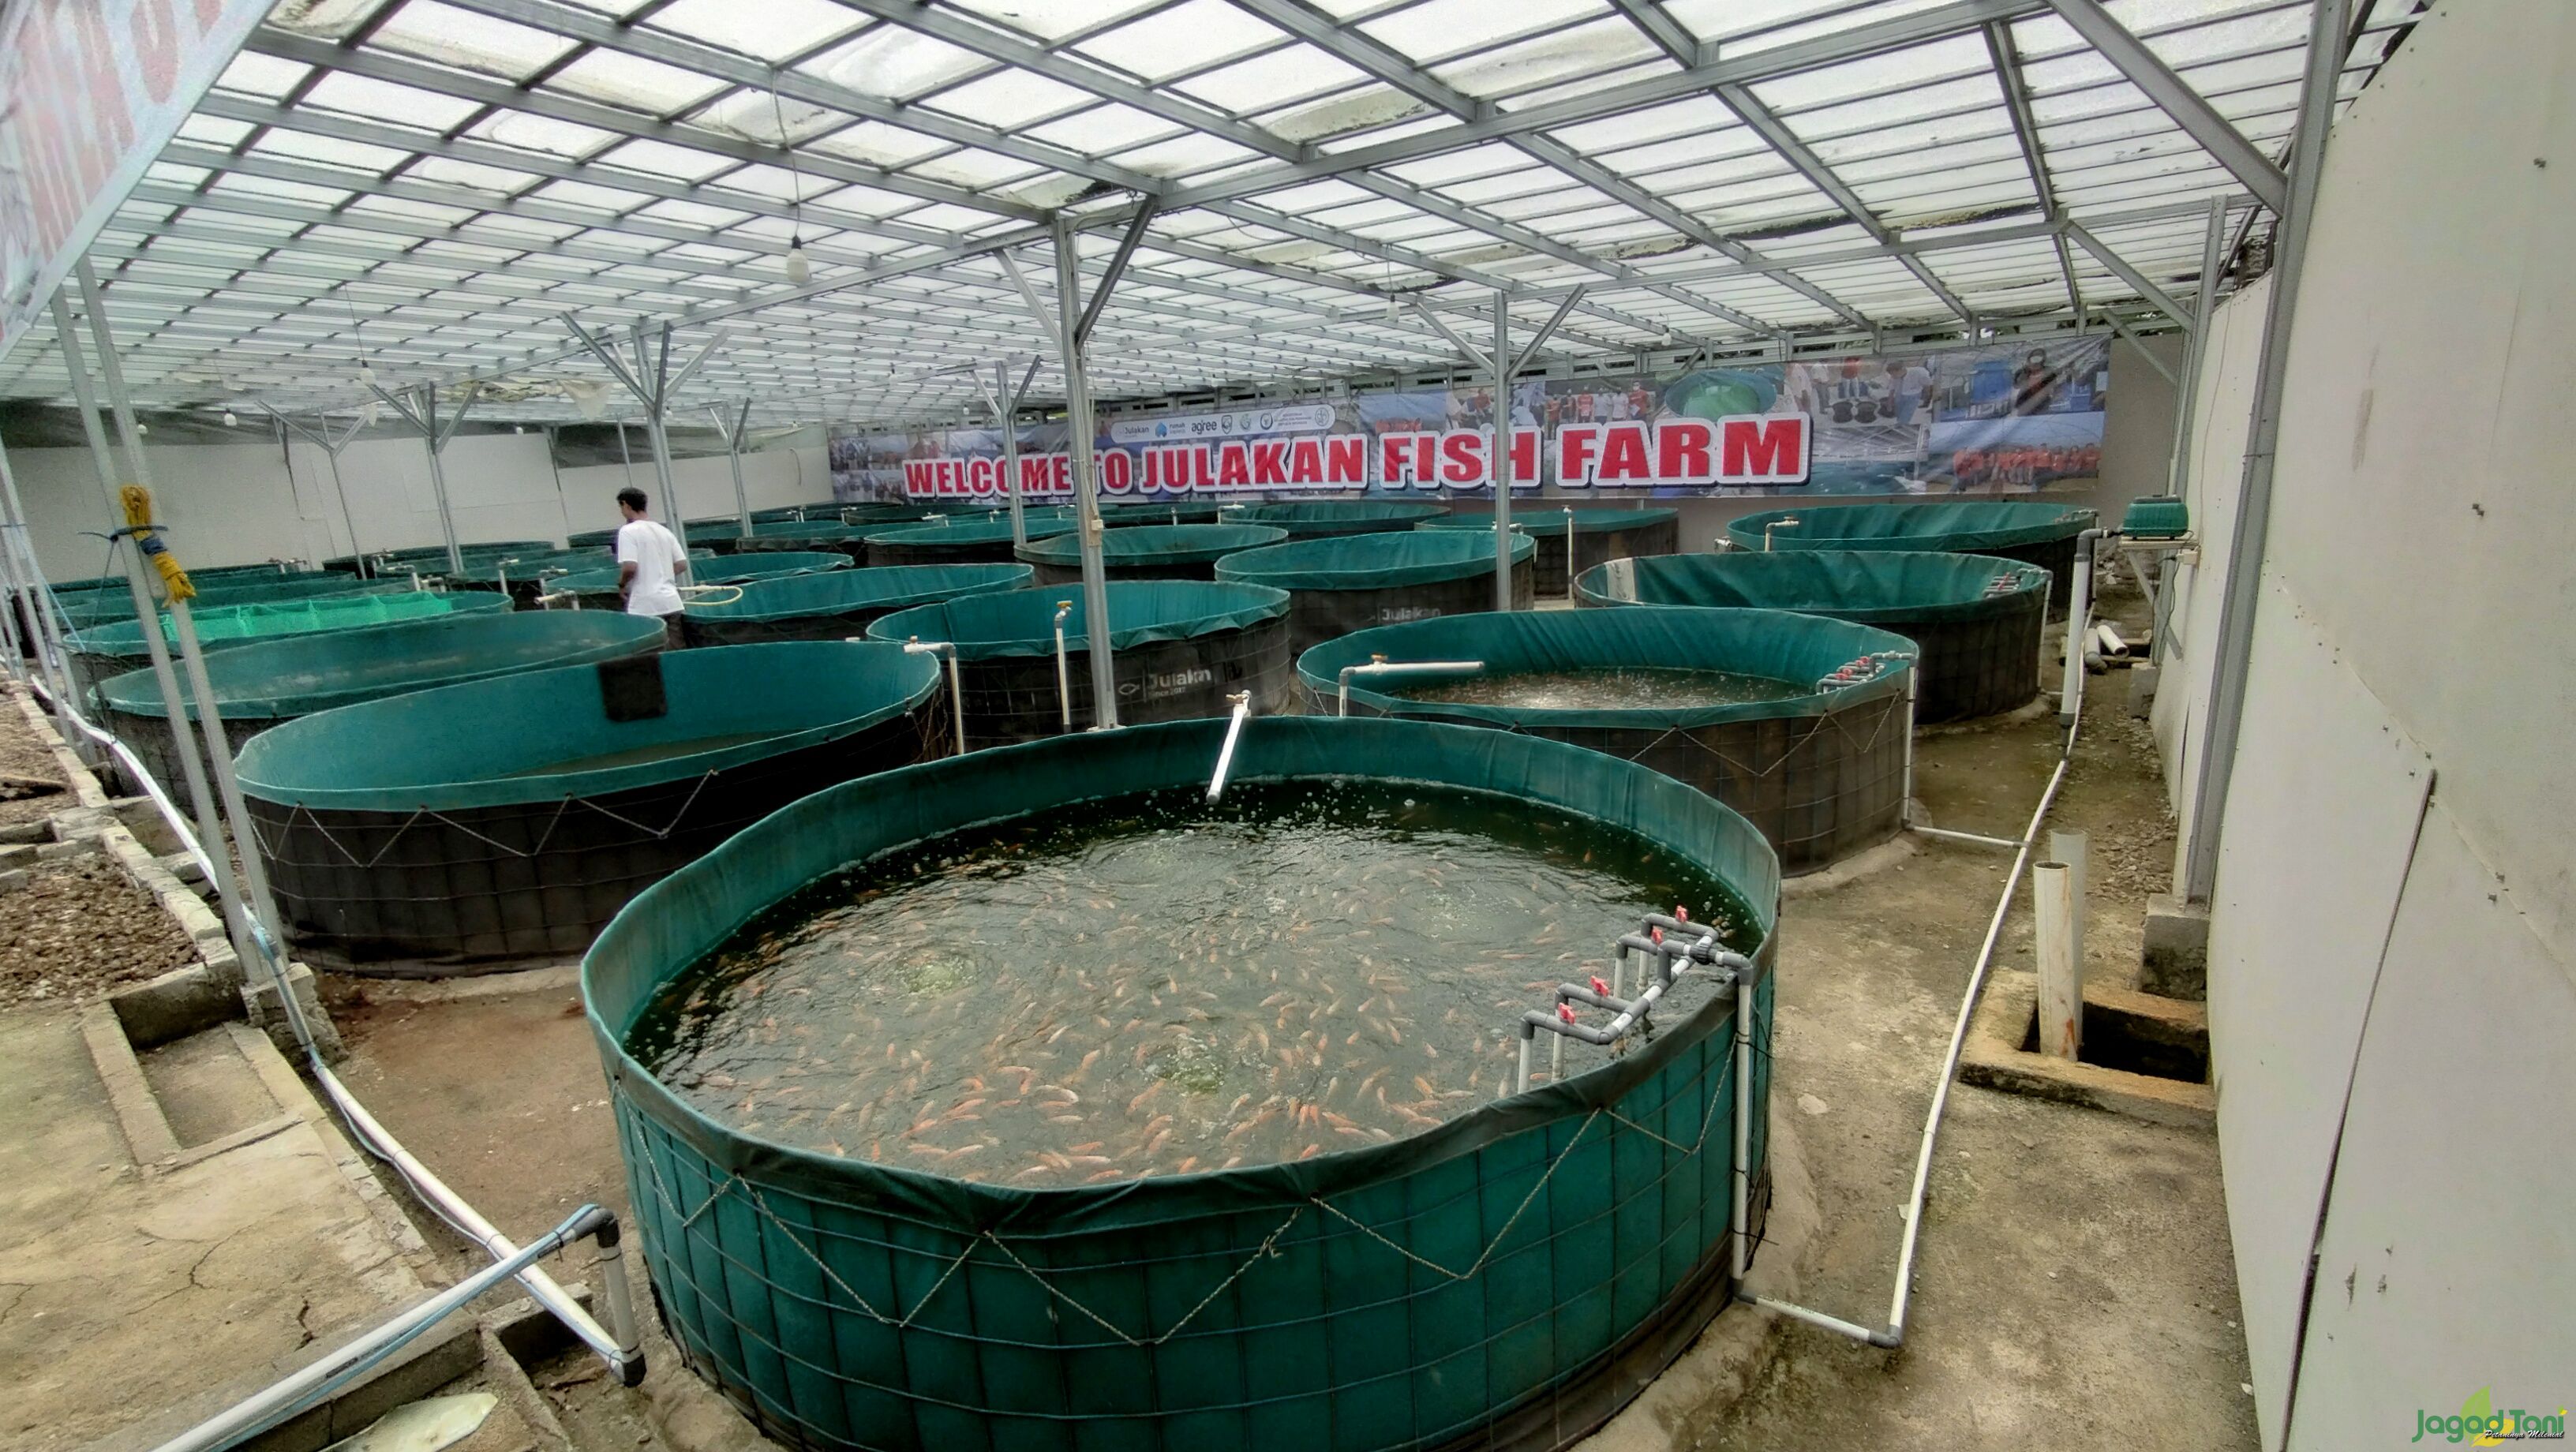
{"x":1225,"y":754}
{"x":956,"y":683}
{"x":1379,"y":665}
{"x":2079,"y":621}
{"x":304,"y":1388}
{"x":1787,"y":522}
{"x":1063,"y":678}
{"x":1894,"y":1335}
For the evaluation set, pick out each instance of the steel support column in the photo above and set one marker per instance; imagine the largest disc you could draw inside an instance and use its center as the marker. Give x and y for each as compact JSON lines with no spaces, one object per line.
{"x":1086,"y":481}
{"x":423,"y":418}
{"x":2197,"y":353}
{"x":2235,"y":645}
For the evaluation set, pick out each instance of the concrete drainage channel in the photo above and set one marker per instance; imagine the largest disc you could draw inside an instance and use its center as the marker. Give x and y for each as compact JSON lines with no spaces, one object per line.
{"x":198,"y":1065}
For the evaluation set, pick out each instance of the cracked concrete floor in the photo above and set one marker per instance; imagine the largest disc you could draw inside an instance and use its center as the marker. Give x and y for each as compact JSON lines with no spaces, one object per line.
{"x":132,"y":1298}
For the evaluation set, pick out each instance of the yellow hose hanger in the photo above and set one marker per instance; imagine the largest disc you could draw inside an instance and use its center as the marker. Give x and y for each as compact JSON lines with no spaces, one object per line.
{"x":146,"y":535}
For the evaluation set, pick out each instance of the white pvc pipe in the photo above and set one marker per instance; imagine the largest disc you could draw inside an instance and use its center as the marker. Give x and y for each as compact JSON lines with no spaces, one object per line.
{"x":1379,"y":665}
{"x":2079,"y":624}
{"x":1063,"y":678}
{"x":1225,"y":754}
{"x":2061,"y":990}
{"x":956,"y":682}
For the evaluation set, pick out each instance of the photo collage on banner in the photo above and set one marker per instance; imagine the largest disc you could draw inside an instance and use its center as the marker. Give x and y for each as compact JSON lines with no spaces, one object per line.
{"x":1994,"y":419}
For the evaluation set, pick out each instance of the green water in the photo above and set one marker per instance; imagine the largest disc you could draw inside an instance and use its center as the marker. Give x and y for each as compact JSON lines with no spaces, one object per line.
{"x":1638,"y":689}
{"x":1149,"y":986}
{"x":639,"y":755}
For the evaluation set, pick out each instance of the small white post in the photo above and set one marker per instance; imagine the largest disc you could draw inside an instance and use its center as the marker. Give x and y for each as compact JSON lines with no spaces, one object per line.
{"x":2061,"y":986}
{"x":2073,"y":849}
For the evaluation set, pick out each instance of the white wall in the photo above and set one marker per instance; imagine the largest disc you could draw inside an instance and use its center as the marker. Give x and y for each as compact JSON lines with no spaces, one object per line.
{"x":2393,"y":945}
{"x":242,"y":503}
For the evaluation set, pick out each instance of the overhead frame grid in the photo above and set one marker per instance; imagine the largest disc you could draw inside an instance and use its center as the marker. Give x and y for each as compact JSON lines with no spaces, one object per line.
{"x":1329,"y":191}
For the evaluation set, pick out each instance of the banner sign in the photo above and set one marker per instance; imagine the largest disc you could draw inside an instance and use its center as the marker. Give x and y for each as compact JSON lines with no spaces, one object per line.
{"x":90,"y":91}
{"x":1993,"y":419}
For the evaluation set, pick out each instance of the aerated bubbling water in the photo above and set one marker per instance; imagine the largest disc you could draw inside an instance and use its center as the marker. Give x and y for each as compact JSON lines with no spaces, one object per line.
{"x":1632,"y":688}
{"x":1150,"y":985}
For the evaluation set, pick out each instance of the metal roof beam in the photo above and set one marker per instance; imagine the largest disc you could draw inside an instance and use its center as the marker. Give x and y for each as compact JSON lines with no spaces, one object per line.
{"x":2174,"y":96}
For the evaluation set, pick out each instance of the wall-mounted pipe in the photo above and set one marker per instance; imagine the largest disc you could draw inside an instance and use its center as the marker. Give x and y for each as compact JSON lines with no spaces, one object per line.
{"x":2079,"y":624}
{"x":1063,"y":678}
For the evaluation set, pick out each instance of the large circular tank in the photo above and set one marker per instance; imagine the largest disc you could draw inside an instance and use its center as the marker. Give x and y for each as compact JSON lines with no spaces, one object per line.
{"x":1120,"y":513}
{"x":106,"y":607}
{"x":1338,"y":584}
{"x":839,"y":604}
{"x":432,"y":559}
{"x":960,"y":540}
{"x":1796,"y":721}
{"x":112,"y":650}
{"x":1317,"y":518}
{"x":843,"y":539}
{"x":1579,"y":538}
{"x":510,"y":818}
{"x":597,"y":589}
{"x":1147,"y":551}
{"x":1180,"y":647}
{"x":1974,"y":619}
{"x":270,"y":682}
{"x":1508,"y":1279}
{"x":2033,"y":533}
{"x":528,"y":576}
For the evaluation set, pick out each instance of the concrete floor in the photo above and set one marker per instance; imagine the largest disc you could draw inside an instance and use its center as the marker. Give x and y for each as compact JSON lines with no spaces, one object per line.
{"x":2075,"y":1287}
{"x":135,"y":1299}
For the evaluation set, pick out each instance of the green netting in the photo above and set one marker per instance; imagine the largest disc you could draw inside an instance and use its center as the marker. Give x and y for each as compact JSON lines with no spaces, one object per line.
{"x":1022,"y":622}
{"x":292,"y":617}
{"x":1370,"y":561}
{"x":1313,"y":518}
{"x":107,"y":607}
{"x":1530,"y":518}
{"x":1775,"y":644}
{"x":490,"y":742}
{"x":893,"y":587}
{"x":1963,"y":526}
{"x":1864,"y":586}
{"x":300,"y":675}
{"x":1509,"y":1278}
{"x":963,"y":531}
{"x":1141,"y":545}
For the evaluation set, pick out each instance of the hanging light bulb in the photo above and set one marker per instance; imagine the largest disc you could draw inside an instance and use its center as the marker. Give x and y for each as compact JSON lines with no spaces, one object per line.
{"x":366,"y":373}
{"x":229,"y":420}
{"x":367,"y":413}
{"x":800,"y":268}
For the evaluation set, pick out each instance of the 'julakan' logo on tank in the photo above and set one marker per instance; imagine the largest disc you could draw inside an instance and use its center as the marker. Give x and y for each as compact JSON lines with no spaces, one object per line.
{"x":1163,"y":685}
{"x":1398,"y":614}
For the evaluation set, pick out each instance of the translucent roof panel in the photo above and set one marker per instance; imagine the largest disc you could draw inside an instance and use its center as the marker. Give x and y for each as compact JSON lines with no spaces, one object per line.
{"x":433,"y":187}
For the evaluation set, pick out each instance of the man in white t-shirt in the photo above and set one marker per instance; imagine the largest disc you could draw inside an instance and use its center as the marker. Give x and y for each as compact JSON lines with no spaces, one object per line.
{"x":650,"y":565}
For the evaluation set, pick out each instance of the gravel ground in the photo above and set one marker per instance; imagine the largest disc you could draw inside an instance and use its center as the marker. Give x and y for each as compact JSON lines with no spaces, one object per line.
{"x":22,"y":754}
{"x":79,"y":929}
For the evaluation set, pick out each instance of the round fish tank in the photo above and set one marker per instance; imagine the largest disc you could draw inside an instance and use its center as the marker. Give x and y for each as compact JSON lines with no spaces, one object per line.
{"x":2033,"y":533}
{"x":1319,"y":518}
{"x":840,"y":604}
{"x":112,"y":650}
{"x":848,"y":540}
{"x":511,"y":818}
{"x":1974,"y":619}
{"x":1180,"y":649}
{"x":1339,"y":584}
{"x":1148,"y":551}
{"x":960,"y":540}
{"x":1505,"y":1275}
{"x":597,"y":589}
{"x":525,"y":577}
{"x":1574,"y":540}
{"x":271,"y":682}
{"x":1120,"y":513}
{"x":106,"y":607}
{"x":432,"y":559}
{"x":1796,"y":721}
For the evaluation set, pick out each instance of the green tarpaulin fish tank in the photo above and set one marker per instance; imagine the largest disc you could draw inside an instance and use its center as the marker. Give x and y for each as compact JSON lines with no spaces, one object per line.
{"x":112,"y":650}
{"x":840,"y":604}
{"x":1574,"y":540}
{"x":1148,"y":551}
{"x":2032,"y":532}
{"x":509,"y":818}
{"x":1815,"y":754}
{"x":1507,"y":1278}
{"x":270,"y":682}
{"x":1974,"y":619}
{"x":1338,"y":584}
